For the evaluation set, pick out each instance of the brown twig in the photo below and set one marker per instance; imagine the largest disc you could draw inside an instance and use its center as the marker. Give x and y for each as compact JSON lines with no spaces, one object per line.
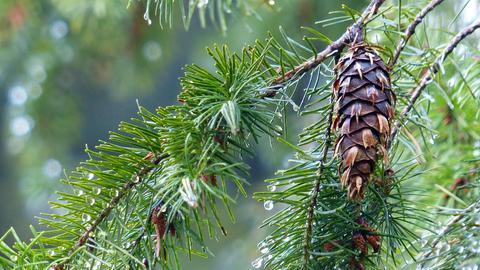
{"x":446,"y":229}
{"x":432,"y":70}
{"x":411,"y":30}
{"x":82,"y":240}
{"x":352,"y":33}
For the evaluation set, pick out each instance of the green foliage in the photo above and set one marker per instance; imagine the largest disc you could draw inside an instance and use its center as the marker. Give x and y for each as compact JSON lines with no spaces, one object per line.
{"x":217,"y":11}
{"x":455,"y":243}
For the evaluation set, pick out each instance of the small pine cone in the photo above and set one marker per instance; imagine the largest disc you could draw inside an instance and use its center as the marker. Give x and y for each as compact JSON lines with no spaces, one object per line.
{"x":360,"y":243}
{"x":374,"y":241}
{"x":330,"y":246}
{"x":357,"y":264}
{"x":364,"y":109}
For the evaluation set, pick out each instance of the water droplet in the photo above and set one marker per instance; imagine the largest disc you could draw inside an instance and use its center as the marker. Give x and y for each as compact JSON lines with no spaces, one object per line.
{"x":17,"y":95}
{"x":80,"y":192}
{"x":97,"y":190}
{"x":59,"y":29}
{"x":271,"y":2}
{"x":270,"y":241}
{"x":21,"y":125}
{"x":52,"y":253}
{"x":13,"y":258}
{"x":52,"y":168}
{"x":264,"y":250}
{"x":91,"y":201}
{"x":272,"y":187}
{"x":86,"y":217}
{"x":268,"y":205}
{"x":295,"y":107}
{"x":257,"y":263}
{"x":146,"y":16}
{"x":114,"y":193}
{"x":152,"y":51}
{"x":270,"y":256}
{"x":90,"y":176}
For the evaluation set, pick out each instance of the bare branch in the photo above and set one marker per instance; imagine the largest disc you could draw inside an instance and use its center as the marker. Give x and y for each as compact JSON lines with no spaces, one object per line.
{"x":433,"y":69}
{"x":411,"y":30}
{"x":350,"y":35}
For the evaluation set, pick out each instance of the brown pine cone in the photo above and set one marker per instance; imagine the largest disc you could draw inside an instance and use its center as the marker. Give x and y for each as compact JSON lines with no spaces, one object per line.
{"x":364,"y":110}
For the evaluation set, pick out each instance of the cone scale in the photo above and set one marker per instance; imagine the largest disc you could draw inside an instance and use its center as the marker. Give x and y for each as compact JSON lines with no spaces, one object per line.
{"x":364,"y":103}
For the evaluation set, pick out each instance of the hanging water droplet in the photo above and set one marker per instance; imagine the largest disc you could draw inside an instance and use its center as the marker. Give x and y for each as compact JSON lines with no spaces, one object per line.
{"x":295,"y":107}
{"x":114,"y":193}
{"x":86,"y":217}
{"x":97,"y":190}
{"x":271,"y":2}
{"x":80,"y":192}
{"x":264,"y":250}
{"x":268,"y":205}
{"x":272,"y":187}
{"x":13,"y":258}
{"x":52,"y":253}
{"x":257,"y":263}
{"x":91,"y":201}
{"x":270,"y":256}
{"x":91,"y":176}
{"x":146,"y":16}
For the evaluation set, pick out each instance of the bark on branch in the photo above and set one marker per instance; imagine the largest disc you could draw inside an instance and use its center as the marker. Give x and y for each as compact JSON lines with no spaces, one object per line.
{"x":352,"y":33}
{"x":411,"y":30}
{"x":427,"y":78}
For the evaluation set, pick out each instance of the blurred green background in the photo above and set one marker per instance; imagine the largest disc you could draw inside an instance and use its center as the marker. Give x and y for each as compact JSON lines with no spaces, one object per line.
{"x":70,"y":71}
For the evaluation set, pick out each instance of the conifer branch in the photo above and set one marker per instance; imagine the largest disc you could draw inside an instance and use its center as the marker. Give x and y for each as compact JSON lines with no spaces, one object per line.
{"x":352,"y":33}
{"x":447,"y":228}
{"x":432,"y":70}
{"x":411,"y":30}
{"x":83,"y":239}
{"x":316,"y":188}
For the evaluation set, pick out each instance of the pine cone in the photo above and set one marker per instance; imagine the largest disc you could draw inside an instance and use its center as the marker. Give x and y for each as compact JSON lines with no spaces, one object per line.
{"x":364,"y":109}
